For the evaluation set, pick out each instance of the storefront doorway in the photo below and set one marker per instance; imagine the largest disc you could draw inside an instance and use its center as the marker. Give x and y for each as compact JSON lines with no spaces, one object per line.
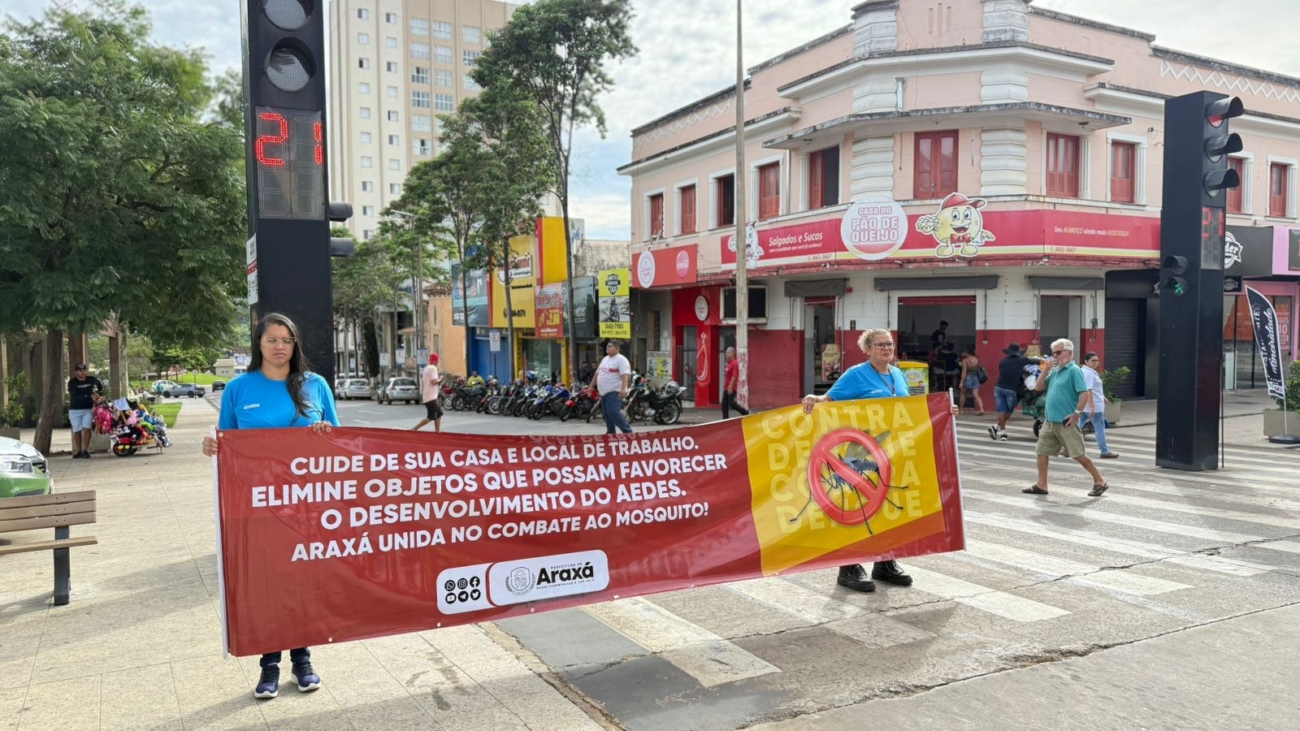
{"x":1060,"y":317}
{"x":543,"y":356}
{"x":927,"y":324}
{"x":823,"y":345}
{"x":684,"y":362}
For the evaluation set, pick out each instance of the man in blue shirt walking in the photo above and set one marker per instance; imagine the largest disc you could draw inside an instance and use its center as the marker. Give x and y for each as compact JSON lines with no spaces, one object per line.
{"x":1067,"y":398}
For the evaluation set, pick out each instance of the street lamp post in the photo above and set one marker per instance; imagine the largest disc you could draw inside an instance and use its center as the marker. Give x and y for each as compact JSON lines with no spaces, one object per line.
{"x":742,"y":243}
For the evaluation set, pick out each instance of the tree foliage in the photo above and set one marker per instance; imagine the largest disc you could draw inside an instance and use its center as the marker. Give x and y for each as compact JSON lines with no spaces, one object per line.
{"x":553,"y":53}
{"x":118,"y":199}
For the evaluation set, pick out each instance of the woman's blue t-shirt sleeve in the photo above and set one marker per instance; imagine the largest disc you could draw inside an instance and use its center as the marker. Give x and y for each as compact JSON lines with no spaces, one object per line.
{"x":325,"y":398}
{"x":227,"y":418}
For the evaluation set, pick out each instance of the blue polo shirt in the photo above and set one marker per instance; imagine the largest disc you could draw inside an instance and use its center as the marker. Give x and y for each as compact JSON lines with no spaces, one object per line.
{"x":1064,"y":386}
{"x":253,"y":401}
{"x":864,"y":381}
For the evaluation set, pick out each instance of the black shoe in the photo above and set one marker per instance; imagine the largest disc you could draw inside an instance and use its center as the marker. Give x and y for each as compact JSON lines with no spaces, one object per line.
{"x":889,"y":572}
{"x":306,"y":678}
{"x":269,"y":685}
{"x":855,"y":578}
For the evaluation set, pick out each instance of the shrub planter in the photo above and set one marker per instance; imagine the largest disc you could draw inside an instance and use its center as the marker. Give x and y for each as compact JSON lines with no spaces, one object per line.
{"x":1273,"y":425}
{"x":1113,"y":411}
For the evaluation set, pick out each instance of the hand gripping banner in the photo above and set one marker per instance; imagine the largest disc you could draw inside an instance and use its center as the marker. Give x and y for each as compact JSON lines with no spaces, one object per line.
{"x":381,"y":532}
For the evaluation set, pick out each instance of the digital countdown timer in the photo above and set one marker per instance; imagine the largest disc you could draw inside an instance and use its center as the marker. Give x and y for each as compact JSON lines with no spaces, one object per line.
{"x":290,"y":155}
{"x":1213,"y":227}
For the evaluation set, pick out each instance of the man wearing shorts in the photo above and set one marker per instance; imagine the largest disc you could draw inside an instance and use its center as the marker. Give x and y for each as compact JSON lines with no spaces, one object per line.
{"x":1011,"y":373}
{"x":82,"y":388}
{"x":1067,"y":398}
{"x":430,"y":392}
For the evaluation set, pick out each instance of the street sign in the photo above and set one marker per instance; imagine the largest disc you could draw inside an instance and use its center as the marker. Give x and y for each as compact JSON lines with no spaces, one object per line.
{"x":494,"y":340}
{"x":422,"y":356}
{"x":250,"y":257}
{"x":383,"y":360}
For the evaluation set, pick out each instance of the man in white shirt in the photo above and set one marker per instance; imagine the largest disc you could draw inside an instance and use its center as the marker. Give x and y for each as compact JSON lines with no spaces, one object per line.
{"x":612,"y":376}
{"x":1097,"y":411}
{"x":430,"y":392}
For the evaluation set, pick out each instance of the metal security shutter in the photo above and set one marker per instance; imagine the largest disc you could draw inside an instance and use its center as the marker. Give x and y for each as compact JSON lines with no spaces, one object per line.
{"x":1125,"y":333}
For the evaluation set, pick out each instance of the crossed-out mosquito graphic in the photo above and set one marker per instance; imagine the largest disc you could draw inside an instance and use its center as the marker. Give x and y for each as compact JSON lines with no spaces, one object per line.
{"x":848,"y":477}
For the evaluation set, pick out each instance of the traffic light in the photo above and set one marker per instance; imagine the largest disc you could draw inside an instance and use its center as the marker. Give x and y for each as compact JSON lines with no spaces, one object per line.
{"x":1172,"y":278}
{"x":1218,"y":143}
{"x":1193,"y":222}
{"x":338,"y":213}
{"x":286,"y":167}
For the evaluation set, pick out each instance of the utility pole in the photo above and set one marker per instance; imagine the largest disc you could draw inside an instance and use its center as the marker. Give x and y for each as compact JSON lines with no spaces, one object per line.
{"x":742,"y":243}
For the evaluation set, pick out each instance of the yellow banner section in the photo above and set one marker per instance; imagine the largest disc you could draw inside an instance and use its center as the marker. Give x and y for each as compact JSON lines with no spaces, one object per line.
{"x":554,"y":268}
{"x":523,"y":276}
{"x":858,"y":474}
{"x":615,"y":305}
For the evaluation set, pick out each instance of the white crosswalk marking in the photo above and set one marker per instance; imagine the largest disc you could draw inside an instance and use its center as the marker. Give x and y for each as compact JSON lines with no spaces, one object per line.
{"x":1141,"y":549}
{"x":872,"y":629}
{"x":1117,"y":580}
{"x":696,"y":651}
{"x":1007,"y":606}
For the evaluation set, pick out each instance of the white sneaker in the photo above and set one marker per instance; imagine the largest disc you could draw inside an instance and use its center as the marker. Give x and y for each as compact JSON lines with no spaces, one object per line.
{"x":993,"y":433}
{"x":1002,"y":437}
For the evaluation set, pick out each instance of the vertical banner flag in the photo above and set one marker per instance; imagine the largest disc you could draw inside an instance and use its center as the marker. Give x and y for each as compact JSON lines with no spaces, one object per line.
{"x":550,"y":311}
{"x":615,"y":306}
{"x":1268,"y":339}
{"x":386,"y":531}
{"x":523,"y":278}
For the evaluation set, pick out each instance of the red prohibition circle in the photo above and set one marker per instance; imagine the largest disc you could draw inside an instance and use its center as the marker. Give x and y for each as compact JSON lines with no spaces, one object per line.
{"x":872,"y":495}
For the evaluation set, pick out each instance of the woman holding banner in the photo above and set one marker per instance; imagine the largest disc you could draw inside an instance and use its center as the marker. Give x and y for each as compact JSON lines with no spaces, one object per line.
{"x":876,"y":378}
{"x":278,"y":391}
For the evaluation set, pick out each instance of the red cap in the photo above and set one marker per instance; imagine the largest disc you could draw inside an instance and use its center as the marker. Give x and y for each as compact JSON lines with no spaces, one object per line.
{"x":433,"y":359}
{"x":957,"y":199}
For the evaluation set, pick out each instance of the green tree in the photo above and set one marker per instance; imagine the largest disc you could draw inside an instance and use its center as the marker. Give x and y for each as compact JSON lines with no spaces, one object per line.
{"x":553,"y":52}
{"x":118,"y":200}
{"x":363,"y":283}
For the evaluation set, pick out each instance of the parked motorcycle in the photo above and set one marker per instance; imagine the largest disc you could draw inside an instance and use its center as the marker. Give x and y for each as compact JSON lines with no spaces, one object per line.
{"x":638,"y":399}
{"x":580,"y":404}
{"x":554,"y":402}
{"x":665,"y":405}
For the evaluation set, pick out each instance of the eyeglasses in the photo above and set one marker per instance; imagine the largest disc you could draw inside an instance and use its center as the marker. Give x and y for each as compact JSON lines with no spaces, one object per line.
{"x":286,"y":342}
{"x":1057,"y":353}
{"x":81,"y":370}
{"x":883,"y":346}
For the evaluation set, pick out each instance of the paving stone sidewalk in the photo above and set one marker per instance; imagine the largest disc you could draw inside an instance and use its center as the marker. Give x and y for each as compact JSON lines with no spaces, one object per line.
{"x":139,"y":646}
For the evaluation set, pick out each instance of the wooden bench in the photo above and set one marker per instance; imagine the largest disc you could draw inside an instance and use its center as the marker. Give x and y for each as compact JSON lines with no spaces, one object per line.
{"x":58,"y":511}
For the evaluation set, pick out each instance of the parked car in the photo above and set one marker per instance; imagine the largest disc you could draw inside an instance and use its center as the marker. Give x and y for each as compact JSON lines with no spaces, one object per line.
{"x":22,"y":470}
{"x":164,"y":383}
{"x":350,"y":388}
{"x":178,"y":390}
{"x":399,"y":389}
{"x":218,"y":385}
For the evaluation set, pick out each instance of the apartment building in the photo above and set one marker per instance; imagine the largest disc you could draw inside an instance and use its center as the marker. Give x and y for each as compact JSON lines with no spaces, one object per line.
{"x":394,"y":66}
{"x":987,"y":164}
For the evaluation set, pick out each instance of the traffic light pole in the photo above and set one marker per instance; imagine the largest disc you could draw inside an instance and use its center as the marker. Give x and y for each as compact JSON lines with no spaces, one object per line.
{"x":1192,"y":227}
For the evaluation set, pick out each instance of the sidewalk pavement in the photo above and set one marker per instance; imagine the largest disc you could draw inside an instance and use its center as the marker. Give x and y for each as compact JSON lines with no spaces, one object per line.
{"x":1186,"y":680}
{"x":139,"y":646}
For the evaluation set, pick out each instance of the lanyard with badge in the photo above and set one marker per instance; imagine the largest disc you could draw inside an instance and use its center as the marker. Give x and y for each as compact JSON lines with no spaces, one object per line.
{"x":887,"y":384}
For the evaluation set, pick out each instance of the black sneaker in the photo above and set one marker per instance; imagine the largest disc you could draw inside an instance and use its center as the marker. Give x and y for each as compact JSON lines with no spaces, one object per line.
{"x":889,"y":572}
{"x":269,"y":685}
{"x":855,"y":578}
{"x":307,"y":678}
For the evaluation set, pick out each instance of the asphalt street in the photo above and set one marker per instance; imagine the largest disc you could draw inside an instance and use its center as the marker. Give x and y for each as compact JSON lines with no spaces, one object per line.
{"x":1043,"y":580}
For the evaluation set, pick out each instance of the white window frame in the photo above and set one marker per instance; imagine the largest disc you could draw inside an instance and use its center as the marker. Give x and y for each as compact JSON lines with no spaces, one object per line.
{"x":420,"y":27}
{"x":677,"y":198}
{"x":366,"y":138}
{"x":1139,"y":165}
{"x":419,"y":74}
{"x":390,"y":17}
{"x":363,"y":88}
{"x":394,"y":140}
{"x":367,"y":186}
{"x":466,"y":31}
{"x":1247,"y":176}
{"x":367,"y":210}
{"x":421,"y":100}
{"x":394,"y":116}
{"x":437,"y":98}
{"x":395,"y":188}
{"x":391,"y":67}
{"x":364,"y":112}
{"x":469,"y":57}
{"x":367,"y":161}
{"x":394,"y":164}
{"x":363,"y":39}
{"x":471,"y":84}
{"x":421,"y":122}
{"x":363,"y":14}
{"x":390,"y":42}
{"x":645,"y":212}
{"x":392,"y":92}
{"x":367,"y":234}
{"x":421,"y":147}
{"x":753,"y":202}
{"x":444,"y":31}
{"x":1291,"y":165}
{"x":1085,"y":164}
{"x":444,"y":79}
{"x":713,"y":198}
{"x":444,"y":54}
{"x":363,"y":63}
{"x":418,"y":50}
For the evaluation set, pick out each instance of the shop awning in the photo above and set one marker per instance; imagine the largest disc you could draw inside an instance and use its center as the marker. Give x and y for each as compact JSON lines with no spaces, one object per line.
{"x":912,"y":284}
{"x":1092,"y":283}
{"x":816,"y":288}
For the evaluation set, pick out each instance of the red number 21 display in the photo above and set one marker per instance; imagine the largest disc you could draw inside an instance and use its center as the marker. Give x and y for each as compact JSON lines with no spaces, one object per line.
{"x":290,"y":169}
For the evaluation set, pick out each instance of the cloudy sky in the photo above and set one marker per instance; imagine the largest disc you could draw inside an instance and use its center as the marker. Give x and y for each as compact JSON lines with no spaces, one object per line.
{"x":687,"y":51}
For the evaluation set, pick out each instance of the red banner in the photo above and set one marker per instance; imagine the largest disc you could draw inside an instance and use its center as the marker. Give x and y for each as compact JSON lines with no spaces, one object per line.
{"x":550,"y":311}
{"x":381,"y":532}
{"x":673,"y":266}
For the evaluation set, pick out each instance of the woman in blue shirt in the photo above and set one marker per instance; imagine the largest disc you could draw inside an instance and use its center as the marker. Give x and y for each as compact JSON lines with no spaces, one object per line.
{"x":278,"y":391}
{"x":877,"y":378}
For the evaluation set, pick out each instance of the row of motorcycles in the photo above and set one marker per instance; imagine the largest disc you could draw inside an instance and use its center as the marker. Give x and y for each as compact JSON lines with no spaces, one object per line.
{"x":534,"y":399}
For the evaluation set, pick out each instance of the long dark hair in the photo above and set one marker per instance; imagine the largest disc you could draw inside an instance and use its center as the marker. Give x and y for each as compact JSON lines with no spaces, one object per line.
{"x":298,"y":365}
